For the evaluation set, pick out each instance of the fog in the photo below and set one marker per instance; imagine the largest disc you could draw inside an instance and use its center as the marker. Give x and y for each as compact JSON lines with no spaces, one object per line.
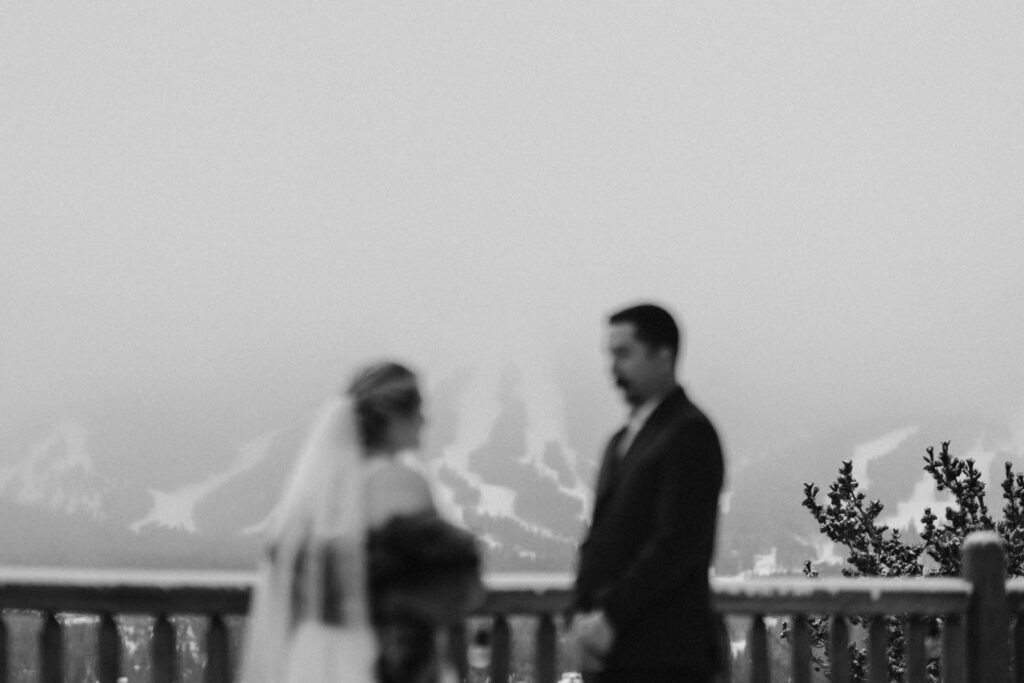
{"x":242,"y":201}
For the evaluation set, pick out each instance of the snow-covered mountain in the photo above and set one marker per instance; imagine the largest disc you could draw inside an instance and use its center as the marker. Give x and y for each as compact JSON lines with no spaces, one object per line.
{"x":497,"y":452}
{"x":177,"y":509}
{"x":57,"y":473}
{"x":157,"y":484}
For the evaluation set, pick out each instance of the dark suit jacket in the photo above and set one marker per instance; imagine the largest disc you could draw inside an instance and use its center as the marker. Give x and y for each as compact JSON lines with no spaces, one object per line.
{"x":646,"y":555}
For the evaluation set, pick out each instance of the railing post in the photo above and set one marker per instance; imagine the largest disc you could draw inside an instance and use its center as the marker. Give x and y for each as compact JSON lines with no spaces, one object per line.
{"x":3,"y":649}
{"x":1018,"y":650}
{"x":109,"y":649}
{"x":758,"y":649}
{"x":988,"y":618}
{"x":546,"y":645}
{"x":878,"y":650}
{"x":457,"y":647}
{"x":917,"y":666}
{"x":164,"y":651}
{"x":501,"y":653}
{"x":218,"y":655}
{"x":800,"y":660}
{"x":839,"y":649}
{"x":51,"y":650}
{"x":954,"y":650}
{"x":724,"y":649}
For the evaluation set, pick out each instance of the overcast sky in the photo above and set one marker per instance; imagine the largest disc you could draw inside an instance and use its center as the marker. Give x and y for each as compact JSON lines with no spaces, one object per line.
{"x":198,"y":194}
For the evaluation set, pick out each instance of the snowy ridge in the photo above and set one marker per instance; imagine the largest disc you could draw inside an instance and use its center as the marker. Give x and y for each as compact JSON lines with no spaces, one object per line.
{"x":479,"y":408}
{"x":501,"y":461}
{"x":176,"y":509}
{"x":59,"y":474}
{"x":882,"y":446}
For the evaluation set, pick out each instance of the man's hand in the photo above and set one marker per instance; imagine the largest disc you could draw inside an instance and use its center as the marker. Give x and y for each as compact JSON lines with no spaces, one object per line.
{"x":594,"y":636}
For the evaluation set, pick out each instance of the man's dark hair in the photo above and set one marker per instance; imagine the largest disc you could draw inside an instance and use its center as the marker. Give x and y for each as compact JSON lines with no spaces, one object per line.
{"x":655,"y":326}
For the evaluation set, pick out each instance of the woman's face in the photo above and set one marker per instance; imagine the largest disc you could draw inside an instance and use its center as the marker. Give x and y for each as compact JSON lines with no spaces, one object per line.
{"x":404,"y":431}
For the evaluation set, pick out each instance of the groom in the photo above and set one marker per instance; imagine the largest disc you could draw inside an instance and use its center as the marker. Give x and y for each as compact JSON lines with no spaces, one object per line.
{"x":642,"y":599}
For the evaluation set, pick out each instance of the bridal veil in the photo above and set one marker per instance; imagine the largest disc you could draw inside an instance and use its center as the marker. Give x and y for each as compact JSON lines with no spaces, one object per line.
{"x":309,"y":619}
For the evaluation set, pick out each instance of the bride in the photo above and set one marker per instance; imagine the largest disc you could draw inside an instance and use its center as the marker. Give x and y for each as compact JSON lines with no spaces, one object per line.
{"x":361,"y":575}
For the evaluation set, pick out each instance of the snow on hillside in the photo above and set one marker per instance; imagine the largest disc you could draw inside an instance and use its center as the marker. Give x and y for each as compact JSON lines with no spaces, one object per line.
{"x":176,"y":509}
{"x":877,"y":448}
{"x":59,"y":473}
{"x":479,"y":409}
{"x":499,"y":453}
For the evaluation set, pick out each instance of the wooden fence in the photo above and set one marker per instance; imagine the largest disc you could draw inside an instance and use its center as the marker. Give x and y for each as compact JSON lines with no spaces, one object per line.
{"x":976,"y":640}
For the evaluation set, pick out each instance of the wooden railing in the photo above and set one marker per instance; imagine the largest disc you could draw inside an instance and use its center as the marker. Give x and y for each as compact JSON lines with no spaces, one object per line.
{"x":109,"y":594}
{"x":975,"y":611}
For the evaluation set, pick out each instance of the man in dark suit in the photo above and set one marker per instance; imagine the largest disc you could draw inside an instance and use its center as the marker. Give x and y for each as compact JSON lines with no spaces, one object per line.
{"x":642,"y":598}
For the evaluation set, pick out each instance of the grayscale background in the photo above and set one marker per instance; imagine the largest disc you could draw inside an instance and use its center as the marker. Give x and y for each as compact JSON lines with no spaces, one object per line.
{"x":211,"y":212}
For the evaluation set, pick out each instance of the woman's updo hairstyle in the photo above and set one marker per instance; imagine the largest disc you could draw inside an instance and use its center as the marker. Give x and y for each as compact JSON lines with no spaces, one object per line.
{"x":379,"y":393}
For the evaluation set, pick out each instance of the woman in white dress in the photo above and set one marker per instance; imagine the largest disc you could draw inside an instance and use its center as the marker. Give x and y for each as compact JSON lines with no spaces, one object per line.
{"x":361,"y":574}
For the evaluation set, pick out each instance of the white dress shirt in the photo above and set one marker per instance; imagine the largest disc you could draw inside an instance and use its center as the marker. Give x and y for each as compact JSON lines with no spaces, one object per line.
{"x":637,"y":419}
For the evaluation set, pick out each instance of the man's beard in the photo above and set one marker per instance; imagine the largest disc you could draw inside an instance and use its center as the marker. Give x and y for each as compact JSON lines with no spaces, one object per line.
{"x":627,"y":393}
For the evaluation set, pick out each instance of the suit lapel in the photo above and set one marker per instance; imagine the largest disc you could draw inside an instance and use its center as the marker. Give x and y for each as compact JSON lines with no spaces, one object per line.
{"x":654,"y":423}
{"x":615,"y":467}
{"x":609,"y":470}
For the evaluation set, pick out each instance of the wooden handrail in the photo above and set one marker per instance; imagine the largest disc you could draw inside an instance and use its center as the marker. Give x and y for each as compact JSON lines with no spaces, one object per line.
{"x":125,"y":591}
{"x":840,"y":595}
{"x":227,"y":593}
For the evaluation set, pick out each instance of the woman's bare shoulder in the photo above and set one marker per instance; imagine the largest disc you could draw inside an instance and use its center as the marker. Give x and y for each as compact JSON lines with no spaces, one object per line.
{"x":393,"y":487}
